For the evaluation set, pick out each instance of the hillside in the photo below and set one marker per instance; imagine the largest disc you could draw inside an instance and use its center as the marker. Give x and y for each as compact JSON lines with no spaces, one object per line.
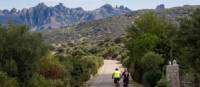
{"x":110,"y":28}
{"x":44,"y":17}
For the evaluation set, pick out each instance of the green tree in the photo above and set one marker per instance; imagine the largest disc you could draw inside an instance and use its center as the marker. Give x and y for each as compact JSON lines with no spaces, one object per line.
{"x":149,"y":33}
{"x":23,"y":49}
{"x":151,"y":63}
{"x":188,"y":44}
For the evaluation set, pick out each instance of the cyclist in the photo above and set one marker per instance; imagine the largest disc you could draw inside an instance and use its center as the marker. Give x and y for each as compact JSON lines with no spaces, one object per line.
{"x":116,"y":76}
{"x":125,"y":76}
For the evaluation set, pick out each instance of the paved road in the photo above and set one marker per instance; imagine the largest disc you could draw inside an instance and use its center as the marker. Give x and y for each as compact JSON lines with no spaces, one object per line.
{"x":104,"y":77}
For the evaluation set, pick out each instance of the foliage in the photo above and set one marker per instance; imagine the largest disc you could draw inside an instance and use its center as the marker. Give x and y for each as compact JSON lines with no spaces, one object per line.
{"x":92,"y":63}
{"x":42,"y":81}
{"x":50,"y":67}
{"x":149,"y":45}
{"x":162,"y":83}
{"x":21,"y":50}
{"x":152,"y":41}
{"x":6,"y":81}
{"x":187,"y":44}
{"x":27,"y":61}
{"x":80,"y":61}
{"x":151,"y":61}
{"x":151,"y":77}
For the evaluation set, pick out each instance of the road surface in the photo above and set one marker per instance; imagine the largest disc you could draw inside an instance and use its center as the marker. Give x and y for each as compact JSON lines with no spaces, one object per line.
{"x":104,"y":77}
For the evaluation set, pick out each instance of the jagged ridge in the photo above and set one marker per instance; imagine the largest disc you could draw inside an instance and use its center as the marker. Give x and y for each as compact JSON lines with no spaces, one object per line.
{"x":59,"y":16}
{"x":110,"y":28}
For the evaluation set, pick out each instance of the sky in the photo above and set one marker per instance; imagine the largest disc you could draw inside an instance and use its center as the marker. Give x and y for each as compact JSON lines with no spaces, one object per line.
{"x":93,"y":4}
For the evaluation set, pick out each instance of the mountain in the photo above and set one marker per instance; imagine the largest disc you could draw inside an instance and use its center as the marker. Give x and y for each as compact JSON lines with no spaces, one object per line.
{"x":111,"y":28}
{"x":160,"y":7}
{"x":59,"y":16}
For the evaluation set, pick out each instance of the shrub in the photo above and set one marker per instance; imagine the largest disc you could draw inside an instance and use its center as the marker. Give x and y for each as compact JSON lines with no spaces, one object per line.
{"x":92,"y":63}
{"x":51,"y":67}
{"x":162,"y":83}
{"x":78,"y":74}
{"x":151,"y":78}
{"x":151,"y":60}
{"x":21,"y":49}
{"x":6,"y":81}
{"x":57,"y":83}
{"x":42,"y":81}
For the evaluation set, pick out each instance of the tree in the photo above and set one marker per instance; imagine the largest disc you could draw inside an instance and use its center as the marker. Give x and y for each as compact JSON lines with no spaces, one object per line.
{"x":151,"y":63}
{"x":149,"y":33}
{"x":188,"y":44}
{"x":22,"y":49}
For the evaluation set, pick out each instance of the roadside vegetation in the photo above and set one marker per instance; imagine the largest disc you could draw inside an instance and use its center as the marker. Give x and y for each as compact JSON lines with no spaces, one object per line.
{"x":153,"y":40}
{"x":26,"y":61}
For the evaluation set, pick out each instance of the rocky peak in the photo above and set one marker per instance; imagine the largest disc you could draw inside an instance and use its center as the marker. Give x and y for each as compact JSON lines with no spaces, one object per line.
{"x":60,"y":6}
{"x":43,"y":17}
{"x":24,"y":10}
{"x":79,"y":9}
{"x":107,"y":7}
{"x":5,"y":11}
{"x":121,"y":7}
{"x":160,"y":7}
{"x":41,"y":5}
{"x":13,"y":10}
{"x":124,"y":8}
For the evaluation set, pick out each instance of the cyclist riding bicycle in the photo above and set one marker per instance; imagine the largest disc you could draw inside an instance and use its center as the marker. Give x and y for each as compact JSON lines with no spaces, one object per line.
{"x":116,"y":76}
{"x":125,"y":76}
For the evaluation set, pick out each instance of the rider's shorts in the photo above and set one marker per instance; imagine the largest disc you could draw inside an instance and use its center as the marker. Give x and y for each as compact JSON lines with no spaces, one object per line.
{"x":116,"y":80}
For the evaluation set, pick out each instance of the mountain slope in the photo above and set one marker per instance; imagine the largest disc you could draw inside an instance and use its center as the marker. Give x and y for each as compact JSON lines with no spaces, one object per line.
{"x":110,"y":28}
{"x":59,"y":16}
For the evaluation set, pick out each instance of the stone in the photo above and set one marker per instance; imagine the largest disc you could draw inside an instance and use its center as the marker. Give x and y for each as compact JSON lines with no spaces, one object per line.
{"x":160,"y":7}
{"x":172,"y":74}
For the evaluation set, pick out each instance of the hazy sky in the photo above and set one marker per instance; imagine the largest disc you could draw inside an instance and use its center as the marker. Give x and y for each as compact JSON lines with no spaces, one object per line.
{"x":93,"y":4}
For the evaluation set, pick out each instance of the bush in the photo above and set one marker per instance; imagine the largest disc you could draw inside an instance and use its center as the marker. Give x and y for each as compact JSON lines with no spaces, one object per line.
{"x":6,"y":81}
{"x":58,"y":83}
{"x":151,"y":78}
{"x":21,"y":49}
{"x":78,"y":74}
{"x":92,"y":63}
{"x":51,"y":67}
{"x":9,"y":67}
{"x":42,"y":81}
{"x":151,"y":60}
{"x":162,"y":83}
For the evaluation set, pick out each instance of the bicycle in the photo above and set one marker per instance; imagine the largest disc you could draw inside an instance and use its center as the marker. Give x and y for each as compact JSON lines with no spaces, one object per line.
{"x":116,"y":81}
{"x":125,"y":83}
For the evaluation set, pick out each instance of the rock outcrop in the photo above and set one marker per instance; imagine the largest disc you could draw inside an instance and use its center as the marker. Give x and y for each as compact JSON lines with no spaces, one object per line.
{"x":44,"y":17}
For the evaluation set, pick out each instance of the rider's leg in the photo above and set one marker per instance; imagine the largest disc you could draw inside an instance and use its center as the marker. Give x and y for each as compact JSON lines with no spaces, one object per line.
{"x":116,"y":81}
{"x":118,"y":84}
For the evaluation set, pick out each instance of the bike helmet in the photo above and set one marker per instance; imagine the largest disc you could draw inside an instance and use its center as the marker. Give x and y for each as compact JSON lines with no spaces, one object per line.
{"x":116,"y":69}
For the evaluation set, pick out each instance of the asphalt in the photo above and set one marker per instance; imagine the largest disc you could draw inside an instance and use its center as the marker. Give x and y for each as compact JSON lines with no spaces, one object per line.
{"x":104,"y":76}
